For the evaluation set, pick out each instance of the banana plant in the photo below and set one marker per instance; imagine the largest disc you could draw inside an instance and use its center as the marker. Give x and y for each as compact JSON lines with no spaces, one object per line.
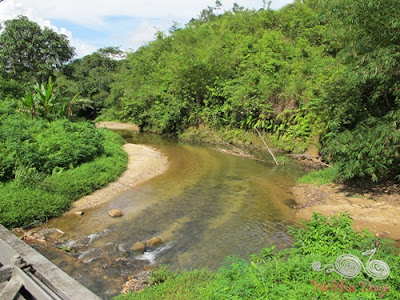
{"x":45,"y":97}
{"x":76,"y":101}
{"x":29,"y":102}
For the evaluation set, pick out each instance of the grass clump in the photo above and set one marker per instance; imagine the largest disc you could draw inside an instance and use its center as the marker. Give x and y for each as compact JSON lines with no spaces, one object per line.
{"x":320,"y":177}
{"x":286,"y":274}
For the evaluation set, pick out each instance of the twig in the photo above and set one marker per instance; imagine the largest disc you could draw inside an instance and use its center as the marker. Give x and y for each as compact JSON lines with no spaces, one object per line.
{"x":269,"y":150}
{"x":240,"y":154}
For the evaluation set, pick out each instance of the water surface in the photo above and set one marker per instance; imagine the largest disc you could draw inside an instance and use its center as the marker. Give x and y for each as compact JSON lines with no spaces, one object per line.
{"x":206,"y":206}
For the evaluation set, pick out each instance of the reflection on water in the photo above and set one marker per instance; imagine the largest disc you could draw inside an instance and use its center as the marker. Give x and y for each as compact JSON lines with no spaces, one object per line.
{"x":205,"y":207}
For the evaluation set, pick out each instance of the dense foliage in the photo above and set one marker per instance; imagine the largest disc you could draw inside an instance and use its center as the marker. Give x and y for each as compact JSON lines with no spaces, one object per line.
{"x":29,"y":53}
{"x":236,"y":70}
{"x":35,"y":196}
{"x":89,"y":78}
{"x":285,"y":274}
{"x":46,"y":160}
{"x":363,"y":103}
{"x":46,"y":146}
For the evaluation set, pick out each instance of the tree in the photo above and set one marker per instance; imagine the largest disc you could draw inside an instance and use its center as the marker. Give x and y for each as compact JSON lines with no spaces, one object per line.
{"x":42,"y":101}
{"x":90,"y":77}
{"x":363,"y":102}
{"x":28,"y":53}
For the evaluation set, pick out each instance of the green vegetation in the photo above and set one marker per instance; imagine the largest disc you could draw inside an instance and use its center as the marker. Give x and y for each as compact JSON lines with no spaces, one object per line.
{"x":314,"y":73}
{"x":46,"y":160}
{"x":47,"y":147}
{"x":28,"y":53}
{"x":284,"y":274}
{"x":324,"y":176}
{"x":89,"y":78}
{"x":35,"y":196}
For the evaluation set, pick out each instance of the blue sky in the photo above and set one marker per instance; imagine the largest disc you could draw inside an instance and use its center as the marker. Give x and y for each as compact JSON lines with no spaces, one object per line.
{"x":129,"y":24}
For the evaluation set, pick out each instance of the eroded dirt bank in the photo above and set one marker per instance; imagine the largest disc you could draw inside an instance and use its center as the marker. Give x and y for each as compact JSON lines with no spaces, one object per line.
{"x":376,"y":209}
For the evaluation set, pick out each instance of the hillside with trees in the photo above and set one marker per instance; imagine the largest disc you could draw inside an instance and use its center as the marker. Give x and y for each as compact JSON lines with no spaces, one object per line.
{"x":315,"y":76}
{"x":314,"y":72}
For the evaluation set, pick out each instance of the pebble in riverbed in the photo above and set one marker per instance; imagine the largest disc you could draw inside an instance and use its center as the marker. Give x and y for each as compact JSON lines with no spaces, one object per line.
{"x":115,"y":213}
{"x":153,"y":242}
{"x":138,"y":247}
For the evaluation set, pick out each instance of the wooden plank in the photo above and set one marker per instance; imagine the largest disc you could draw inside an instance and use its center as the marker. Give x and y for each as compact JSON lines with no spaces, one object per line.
{"x":5,"y":273}
{"x":46,"y":272}
{"x":36,"y":288}
{"x":12,"y":289}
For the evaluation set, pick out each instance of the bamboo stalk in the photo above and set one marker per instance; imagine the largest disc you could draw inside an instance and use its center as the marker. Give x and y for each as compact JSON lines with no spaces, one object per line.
{"x":269,"y":150}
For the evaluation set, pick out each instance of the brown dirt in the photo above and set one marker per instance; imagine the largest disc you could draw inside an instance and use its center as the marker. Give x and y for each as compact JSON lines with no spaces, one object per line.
{"x":375,"y":208}
{"x":117,"y":126}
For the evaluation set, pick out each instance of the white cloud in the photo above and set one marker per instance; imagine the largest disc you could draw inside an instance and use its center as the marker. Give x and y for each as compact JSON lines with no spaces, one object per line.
{"x":142,"y":34}
{"x":150,"y":14}
{"x":91,"y":12}
{"x":10,"y":9}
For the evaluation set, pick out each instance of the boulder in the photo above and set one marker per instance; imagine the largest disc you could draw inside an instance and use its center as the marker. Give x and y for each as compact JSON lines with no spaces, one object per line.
{"x":79,"y":213}
{"x":138,"y":247}
{"x":115,"y":213}
{"x":153,"y":242}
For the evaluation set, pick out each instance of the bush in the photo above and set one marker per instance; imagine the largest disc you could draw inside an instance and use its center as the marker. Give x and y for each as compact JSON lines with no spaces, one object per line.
{"x":370,"y":149}
{"x":46,"y":146}
{"x":40,"y":198}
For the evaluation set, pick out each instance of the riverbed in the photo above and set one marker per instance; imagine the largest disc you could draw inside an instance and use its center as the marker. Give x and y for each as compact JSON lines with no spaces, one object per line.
{"x":205,"y":207}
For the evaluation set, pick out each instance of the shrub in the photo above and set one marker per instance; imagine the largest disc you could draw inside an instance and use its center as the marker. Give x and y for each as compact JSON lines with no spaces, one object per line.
{"x":46,"y":146}
{"x":371,"y":149}
{"x":36,"y":198}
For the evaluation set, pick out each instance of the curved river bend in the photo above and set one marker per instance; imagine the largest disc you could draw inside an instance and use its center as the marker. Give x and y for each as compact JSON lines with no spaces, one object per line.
{"x":206,"y":206}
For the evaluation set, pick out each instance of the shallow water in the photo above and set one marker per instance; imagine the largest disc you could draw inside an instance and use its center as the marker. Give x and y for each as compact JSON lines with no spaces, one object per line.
{"x":206,"y":206}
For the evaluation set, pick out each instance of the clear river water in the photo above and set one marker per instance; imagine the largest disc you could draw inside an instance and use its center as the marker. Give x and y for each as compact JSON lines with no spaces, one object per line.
{"x":205,"y":207}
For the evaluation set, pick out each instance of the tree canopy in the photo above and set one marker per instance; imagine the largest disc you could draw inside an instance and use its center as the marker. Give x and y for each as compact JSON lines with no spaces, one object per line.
{"x":29,"y":53}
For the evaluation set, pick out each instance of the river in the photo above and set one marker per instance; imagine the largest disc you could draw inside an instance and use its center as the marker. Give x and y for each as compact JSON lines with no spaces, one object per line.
{"x":205,"y":207}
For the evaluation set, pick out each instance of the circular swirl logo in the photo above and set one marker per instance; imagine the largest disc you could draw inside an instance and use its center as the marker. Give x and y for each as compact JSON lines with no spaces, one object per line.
{"x":349,"y":266}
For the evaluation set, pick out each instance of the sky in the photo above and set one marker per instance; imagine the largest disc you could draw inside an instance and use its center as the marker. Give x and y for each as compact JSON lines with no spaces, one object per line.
{"x":129,"y":24}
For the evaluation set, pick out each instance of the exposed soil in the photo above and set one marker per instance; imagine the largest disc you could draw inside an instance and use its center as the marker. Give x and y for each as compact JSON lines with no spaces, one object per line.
{"x":376,"y":208}
{"x":117,"y":126}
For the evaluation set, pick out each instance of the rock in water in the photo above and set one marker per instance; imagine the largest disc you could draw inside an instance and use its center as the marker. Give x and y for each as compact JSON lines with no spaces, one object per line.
{"x":138,"y":247}
{"x":154,"y":242}
{"x":115,"y":213}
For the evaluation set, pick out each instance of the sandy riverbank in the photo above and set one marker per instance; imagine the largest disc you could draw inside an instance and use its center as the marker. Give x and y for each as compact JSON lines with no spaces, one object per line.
{"x":117,"y":126}
{"x":144,"y":163}
{"x":378,"y":210}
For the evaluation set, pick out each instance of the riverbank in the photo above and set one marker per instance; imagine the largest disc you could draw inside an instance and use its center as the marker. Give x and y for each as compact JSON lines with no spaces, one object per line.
{"x":376,"y":208}
{"x":117,"y":126}
{"x":144,"y":163}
